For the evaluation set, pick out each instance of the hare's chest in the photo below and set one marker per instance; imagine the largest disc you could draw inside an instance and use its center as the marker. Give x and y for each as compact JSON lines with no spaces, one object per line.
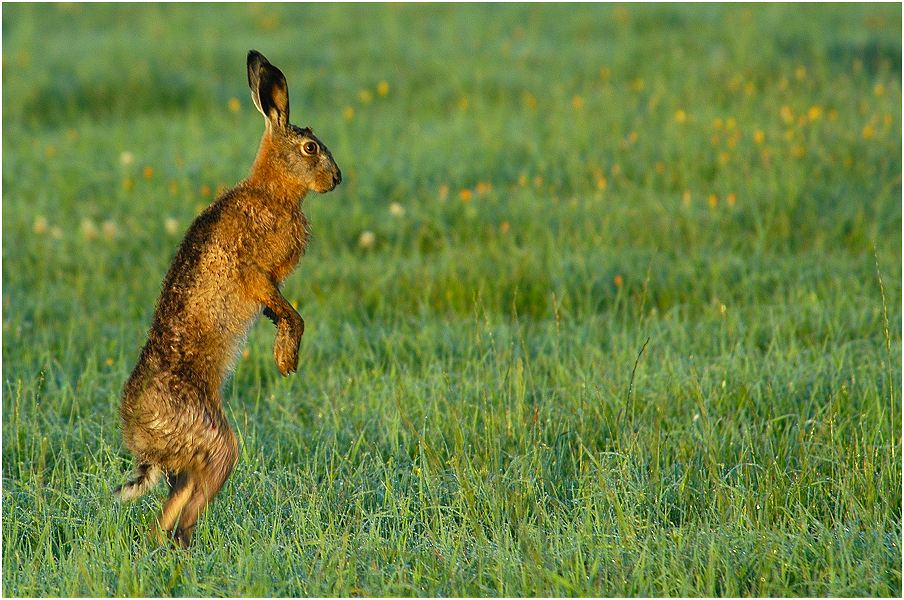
{"x":290,"y":242}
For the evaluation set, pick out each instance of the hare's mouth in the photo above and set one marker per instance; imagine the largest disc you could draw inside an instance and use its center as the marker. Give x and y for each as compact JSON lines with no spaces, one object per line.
{"x":336,"y":180}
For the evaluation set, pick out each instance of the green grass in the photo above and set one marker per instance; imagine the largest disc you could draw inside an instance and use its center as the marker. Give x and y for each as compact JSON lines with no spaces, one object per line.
{"x":476,"y":411}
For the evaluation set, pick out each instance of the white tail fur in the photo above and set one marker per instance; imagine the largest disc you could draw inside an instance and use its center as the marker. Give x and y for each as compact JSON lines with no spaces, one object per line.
{"x":145,"y":477}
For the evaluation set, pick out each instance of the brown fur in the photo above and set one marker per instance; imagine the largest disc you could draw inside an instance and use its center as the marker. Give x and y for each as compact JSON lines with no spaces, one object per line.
{"x":227,"y":270}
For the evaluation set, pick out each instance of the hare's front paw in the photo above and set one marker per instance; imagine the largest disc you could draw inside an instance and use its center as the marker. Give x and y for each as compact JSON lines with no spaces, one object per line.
{"x":285,"y":351}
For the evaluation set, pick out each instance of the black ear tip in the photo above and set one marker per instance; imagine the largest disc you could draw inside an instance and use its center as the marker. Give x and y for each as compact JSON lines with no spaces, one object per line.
{"x":256,"y":57}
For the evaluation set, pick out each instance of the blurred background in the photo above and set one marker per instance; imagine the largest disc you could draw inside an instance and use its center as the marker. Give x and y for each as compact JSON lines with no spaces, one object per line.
{"x":586,"y":266}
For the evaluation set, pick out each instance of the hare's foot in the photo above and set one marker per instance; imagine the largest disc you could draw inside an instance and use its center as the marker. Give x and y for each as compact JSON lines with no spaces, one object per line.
{"x":285,"y":350}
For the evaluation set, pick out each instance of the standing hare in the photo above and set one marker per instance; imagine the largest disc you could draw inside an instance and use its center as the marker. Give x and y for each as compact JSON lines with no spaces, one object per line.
{"x":227,"y":270}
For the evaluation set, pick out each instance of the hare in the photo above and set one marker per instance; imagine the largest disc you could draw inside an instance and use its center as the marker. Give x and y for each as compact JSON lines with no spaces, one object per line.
{"x":227,"y":271}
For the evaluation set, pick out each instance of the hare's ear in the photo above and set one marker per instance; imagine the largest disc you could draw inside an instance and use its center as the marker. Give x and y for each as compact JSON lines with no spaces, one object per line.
{"x":269,"y":90}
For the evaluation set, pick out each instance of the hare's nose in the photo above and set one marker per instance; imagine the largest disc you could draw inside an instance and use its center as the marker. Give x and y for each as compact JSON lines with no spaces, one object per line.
{"x":337,"y":178}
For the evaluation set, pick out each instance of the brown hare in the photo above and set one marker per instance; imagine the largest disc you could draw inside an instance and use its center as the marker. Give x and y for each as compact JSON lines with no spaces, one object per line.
{"x":227,"y":271}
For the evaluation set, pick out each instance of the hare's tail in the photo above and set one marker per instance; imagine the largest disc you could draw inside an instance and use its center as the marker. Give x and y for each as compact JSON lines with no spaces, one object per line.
{"x":145,"y":477}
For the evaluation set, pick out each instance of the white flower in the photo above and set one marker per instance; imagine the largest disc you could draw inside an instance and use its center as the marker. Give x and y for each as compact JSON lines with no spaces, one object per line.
{"x":126,"y":158}
{"x":89,"y":229}
{"x":367,"y":239}
{"x":171,"y":225}
{"x":396,"y":210}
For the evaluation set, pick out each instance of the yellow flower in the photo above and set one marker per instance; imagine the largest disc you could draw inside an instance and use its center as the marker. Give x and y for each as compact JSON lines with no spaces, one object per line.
{"x":879,"y":89}
{"x":680,"y":116}
{"x":110,"y":230}
{"x":800,"y":73}
{"x":348,"y":113}
{"x":637,"y":85}
{"x":660,"y":167}
{"x":483,"y":187}
{"x":234,"y":105}
{"x":686,"y":198}
{"x":463,"y":103}
{"x":529,"y":100}
{"x":601,"y":182}
{"x":128,"y":184}
{"x":814,"y":113}
{"x":618,"y":280}
{"x":730,"y":199}
{"x":717,"y":123}
{"x":713,"y":201}
{"x":50,"y":151}
{"x":577,"y":103}
{"x":443,"y":191}
{"x":365,"y":96}
{"x":465,"y":195}
{"x":504,"y":227}
{"x":869,"y":132}
{"x":148,"y":171}
{"x":40,"y":225}
{"x":109,"y":362}
{"x":205,"y":190}
{"x":787,"y":114}
{"x":759,"y":137}
{"x":383,"y":88}
{"x":89,"y":229}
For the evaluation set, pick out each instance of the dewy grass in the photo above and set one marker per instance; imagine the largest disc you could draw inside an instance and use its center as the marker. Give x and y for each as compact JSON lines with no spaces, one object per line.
{"x":472,"y":415}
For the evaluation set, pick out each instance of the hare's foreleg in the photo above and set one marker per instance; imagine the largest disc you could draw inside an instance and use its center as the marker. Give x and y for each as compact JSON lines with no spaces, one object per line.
{"x":289,"y":324}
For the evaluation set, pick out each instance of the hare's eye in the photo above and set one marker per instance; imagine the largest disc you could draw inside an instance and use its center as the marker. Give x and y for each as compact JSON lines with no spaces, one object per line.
{"x":309,"y":148}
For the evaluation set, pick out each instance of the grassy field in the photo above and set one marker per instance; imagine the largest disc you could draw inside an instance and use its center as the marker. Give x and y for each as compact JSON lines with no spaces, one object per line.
{"x":608,"y":303}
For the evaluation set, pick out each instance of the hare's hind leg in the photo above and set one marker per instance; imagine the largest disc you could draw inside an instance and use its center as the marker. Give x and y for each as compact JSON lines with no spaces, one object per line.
{"x":181,"y":488}
{"x":209,"y":479}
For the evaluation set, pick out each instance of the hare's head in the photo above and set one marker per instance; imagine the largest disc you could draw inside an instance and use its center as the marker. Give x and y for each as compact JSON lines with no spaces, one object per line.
{"x":294,"y":152}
